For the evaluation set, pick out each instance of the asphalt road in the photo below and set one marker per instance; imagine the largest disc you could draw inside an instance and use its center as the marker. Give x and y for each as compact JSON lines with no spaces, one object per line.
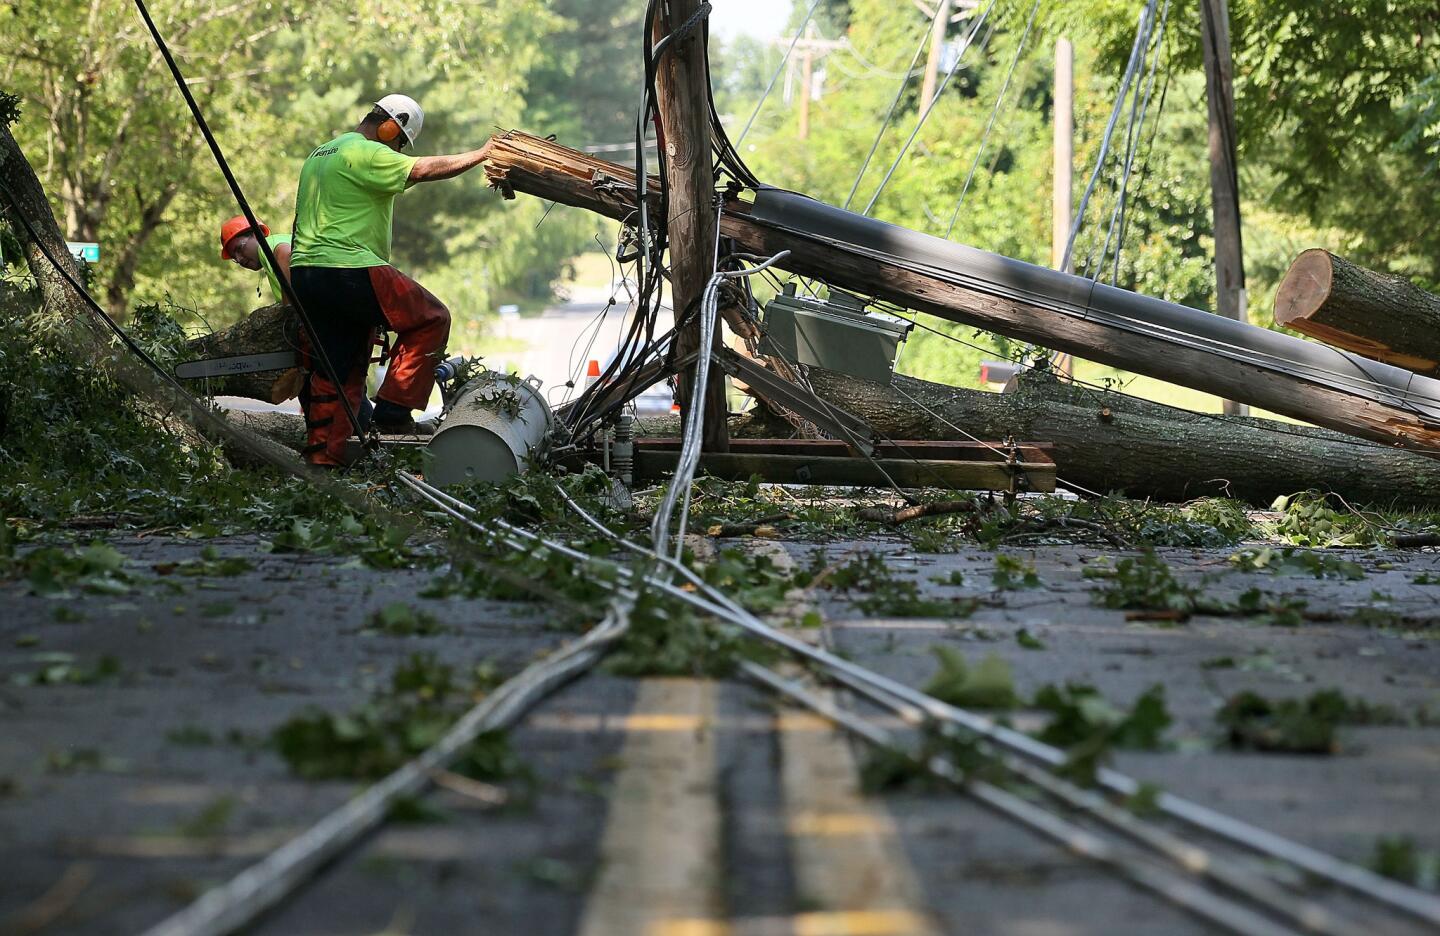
{"x":659,"y":806}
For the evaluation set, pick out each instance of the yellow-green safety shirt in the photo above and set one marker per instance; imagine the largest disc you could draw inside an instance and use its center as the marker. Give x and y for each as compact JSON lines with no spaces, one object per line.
{"x":345,"y":206}
{"x":274,"y":240}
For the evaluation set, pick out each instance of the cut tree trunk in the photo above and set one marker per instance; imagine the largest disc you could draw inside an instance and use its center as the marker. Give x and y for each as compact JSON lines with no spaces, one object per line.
{"x":272,"y":328}
{"x":1108,"y":442}
{"x":1378,"y":315}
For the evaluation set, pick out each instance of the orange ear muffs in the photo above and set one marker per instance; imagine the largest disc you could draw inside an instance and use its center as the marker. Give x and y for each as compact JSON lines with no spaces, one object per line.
{"x":388,"y":131}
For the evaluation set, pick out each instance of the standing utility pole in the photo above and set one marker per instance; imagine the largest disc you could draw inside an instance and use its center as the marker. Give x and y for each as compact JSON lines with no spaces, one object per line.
{"x":681,"y":96}
{"x":937,"y":47}
{"x":810,"y":48}
{"x":1064,"y":146}
{"x":1224,"y":176}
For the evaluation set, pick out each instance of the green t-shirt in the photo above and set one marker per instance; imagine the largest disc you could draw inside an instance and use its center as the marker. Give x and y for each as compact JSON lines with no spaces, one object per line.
{"x":274,"y":240}
{"x":346,"y":201}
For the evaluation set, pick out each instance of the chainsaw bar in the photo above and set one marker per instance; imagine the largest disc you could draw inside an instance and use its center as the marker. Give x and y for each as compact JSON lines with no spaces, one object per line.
{"x":239,"y":364}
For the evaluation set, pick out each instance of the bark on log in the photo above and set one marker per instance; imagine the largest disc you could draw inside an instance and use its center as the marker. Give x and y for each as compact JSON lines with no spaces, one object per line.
{"x":272,"y":328}
{"x":1379,"y":315}
{"x":522,"y":163}
{"x":1108,"y":442}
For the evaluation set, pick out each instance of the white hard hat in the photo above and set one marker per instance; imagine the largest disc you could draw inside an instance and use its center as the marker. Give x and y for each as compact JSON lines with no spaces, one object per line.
{"x":406,"y":112}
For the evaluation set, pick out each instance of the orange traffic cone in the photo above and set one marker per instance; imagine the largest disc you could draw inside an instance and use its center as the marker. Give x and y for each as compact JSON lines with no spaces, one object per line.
{"x":592,"y":373}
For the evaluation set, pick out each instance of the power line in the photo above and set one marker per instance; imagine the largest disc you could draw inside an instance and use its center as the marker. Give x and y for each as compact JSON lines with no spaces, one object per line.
{"x":930,"y":107}
{"x":889,"y":115}
{"x":779,"y":68}
{"x":1142,"y":34}
{"x":990,"y":124}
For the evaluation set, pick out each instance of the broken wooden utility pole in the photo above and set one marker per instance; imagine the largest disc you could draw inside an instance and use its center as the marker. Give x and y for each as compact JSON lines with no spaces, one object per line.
{"x":682,"y":98}
{"x":1224,"y":175}
{"x":1022,"y":301}
{"x":1379,"y":315}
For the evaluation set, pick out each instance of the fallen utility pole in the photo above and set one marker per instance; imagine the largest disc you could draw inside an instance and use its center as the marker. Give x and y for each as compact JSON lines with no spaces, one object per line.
{"x":683,"y":102}
{"x":1019,"y":300}
{"x":1379,"y":315}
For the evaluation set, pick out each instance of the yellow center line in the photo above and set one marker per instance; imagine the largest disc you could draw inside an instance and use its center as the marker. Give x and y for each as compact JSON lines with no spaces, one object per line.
{"x":839,"y":824}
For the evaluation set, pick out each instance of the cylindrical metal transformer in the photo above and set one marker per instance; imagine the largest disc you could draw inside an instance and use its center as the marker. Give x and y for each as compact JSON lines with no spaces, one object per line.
{"x":496,"y":424}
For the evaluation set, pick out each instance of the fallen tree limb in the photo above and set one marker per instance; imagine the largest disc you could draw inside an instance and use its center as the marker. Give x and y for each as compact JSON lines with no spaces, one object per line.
{"x":906,"y":514}
{"x":1381,"y":316}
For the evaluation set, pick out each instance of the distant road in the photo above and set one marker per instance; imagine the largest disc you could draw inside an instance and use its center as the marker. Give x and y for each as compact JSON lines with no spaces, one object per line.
{"x":556,"y":345}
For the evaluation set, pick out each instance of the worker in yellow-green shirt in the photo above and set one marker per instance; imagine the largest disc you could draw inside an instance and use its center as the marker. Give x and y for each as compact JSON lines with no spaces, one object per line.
{"x":341,"y":273}
{"x":239,"y":243}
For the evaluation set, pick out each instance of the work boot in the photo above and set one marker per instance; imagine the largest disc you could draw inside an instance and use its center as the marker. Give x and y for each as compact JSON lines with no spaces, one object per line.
{"x":392,"y":419}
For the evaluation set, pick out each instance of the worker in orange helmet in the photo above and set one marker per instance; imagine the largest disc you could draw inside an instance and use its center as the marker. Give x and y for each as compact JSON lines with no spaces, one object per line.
{"x":342,"y":275}
{"x":239,"y":243}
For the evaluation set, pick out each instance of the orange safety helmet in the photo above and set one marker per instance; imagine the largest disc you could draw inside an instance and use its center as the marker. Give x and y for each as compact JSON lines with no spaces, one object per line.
{"x":234,"y":228}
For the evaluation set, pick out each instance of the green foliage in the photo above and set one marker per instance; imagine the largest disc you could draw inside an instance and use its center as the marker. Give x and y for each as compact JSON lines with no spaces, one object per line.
{"x":73,"y":760}
{"x":1013,"y":574}
{"x":210,"y":564}
{"x":1400,"y":859}
{"x":55,"y":572}
{"x":989,"y":684}
{"x":888,"y":769}
{"x":421,"y":703}
{"x":1277,"y":610}
{"x":72,"y":441}
{"x":1028,"y":640}
{"x":886,"y":593}
{"x":126,"y":163}
{"x":669,"y":640}
{"x":61,"y":669}
{"x":400,"y":619}
{"x":485,"y":570}
{"x":10,"y":106}
{"x":1307,"y":519}
{"x":1297,"y":726}
{"x":1287,"y":562}
{"x":533,"y":499}
{"x":751,"y":579}
{"x":809,"y":513}
{"x":1144,"y":584}
{"x":1087,"y":727}
{"x":1145,"y":801}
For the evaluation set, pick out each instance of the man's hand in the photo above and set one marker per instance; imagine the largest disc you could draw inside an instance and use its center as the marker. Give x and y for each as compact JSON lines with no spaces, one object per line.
{"x":436,"y":168}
